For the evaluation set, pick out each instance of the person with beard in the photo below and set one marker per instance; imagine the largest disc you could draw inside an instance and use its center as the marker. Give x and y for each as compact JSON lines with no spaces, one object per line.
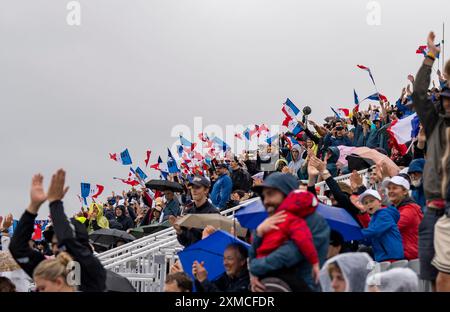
{"x":286,"y":262}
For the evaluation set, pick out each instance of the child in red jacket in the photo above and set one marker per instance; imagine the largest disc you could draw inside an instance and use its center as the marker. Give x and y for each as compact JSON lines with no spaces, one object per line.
{"x":297,"y":205}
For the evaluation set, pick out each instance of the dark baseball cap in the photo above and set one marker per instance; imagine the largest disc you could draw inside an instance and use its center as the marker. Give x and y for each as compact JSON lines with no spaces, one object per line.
{"x":221,"y":165}
{"x":284,"y":182}
{"x":199,"y":181}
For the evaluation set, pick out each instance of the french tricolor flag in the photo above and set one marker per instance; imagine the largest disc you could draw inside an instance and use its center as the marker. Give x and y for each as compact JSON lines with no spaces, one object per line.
{"x":291,"y":141}
{"x":402,"y":131}
{"x":223,"y":145}
{"x":377,"y":97}
{"x":186,"y":143}
{"x":272,"y":139}
{"x":289,"y":109}
{"x":368,"y":70}
{"x":123,"y":157}
{"x":356,"y":100}
{"x":247,"y":134}
{"x":91,"y":190}
{"x":160,"y":166}
{"x":140,"y":173}
{"x":344,"y":112}
{"x":292,"y":125}
{"x":423,"y":49}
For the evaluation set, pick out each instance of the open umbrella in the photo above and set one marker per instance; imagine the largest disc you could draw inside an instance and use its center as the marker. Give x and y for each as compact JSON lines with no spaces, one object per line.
{"x":216,"y":220}
{"x":149,"y":229}
{"x":344,"y":151}
{"x":356,"y":162}
{"x":163,"y":185}
{"x":117,"y":283}
{"x":108,"y":237}
{"x":341,"y":221}
{"x":252,"y":214}
{"x":210,"y":250}
{"x":377,"y":158}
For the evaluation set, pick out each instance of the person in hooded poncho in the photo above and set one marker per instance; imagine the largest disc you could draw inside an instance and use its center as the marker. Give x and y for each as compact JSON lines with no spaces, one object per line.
{"x":297,"y":161}
{"x":345,"y":272}
{"x":96,"y":219}
{"x":393,"y":280}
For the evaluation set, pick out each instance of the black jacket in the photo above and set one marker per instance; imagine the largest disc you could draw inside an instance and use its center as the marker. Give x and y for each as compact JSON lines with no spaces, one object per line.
{"x":124,"y":220}
{"x":26,"y":257}
{"x":226,"y":284}
{"x":241,"y":180}
{"x":191,"y":236}
{"x":93,"y":275}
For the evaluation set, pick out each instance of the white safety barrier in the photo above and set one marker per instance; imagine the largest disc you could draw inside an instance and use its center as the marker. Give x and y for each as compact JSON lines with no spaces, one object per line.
{"x":146,"y":261}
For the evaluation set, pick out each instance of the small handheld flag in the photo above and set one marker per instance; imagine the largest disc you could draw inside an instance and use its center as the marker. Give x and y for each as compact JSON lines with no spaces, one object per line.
{"x":223,"y":145}
{"x":147,"y":158}
{"x":368,"y":70}
{"x":88,"y":190}
{"x":141,"y":173}
{"x":124,"y":157}
{"x":171,"y":163}
{"x":272,"y":139}
{"x":423,"y":49}
{"x":402,"y":131}
{"x":292,"y":125}
{"x":289,"y":109}
{"x":356,"y":99}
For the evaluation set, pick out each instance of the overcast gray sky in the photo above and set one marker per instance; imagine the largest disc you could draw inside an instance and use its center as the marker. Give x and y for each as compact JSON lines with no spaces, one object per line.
{"x":135,"y":69}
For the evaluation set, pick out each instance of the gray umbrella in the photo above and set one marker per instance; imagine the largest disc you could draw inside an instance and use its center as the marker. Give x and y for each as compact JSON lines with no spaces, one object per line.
{"x":108,"y":237}
{"x":117,"y":283}
{"x":163,"y":185}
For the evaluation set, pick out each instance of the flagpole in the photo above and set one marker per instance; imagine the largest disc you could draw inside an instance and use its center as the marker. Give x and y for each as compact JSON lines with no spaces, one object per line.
{"x":443,"y":39}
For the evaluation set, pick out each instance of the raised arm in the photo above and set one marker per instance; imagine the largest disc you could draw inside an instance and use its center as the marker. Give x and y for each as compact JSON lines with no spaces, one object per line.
{"x":25,"y":256}
{"x":423,"y":105}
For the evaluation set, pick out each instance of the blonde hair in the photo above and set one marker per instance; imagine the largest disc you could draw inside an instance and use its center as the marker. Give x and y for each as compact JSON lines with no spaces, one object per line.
{"x":445,"y":165}
{"x":51,"y":269}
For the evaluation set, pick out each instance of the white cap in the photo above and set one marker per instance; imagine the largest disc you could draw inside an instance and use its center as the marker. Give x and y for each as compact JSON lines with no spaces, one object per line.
{"x":259,"y":175}
{"x":372,"y":193}
{"x":397,"y":180}
{"x":404,"y":170}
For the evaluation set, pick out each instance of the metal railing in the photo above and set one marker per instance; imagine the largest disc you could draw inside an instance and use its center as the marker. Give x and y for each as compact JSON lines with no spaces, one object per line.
{"x":146,"y":261}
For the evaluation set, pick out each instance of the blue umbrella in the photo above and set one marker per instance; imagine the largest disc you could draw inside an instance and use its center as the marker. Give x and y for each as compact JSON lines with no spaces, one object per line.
{"x":210,"y":250}
{"x":252,"y":214}
{"x":341,"y":221}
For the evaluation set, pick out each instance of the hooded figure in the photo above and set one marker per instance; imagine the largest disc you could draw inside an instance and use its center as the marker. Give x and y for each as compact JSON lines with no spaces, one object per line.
{"x":100,"y":221}
{"x":354,"y":267}
{"x":333,"y":156}
{"x":418,"y":193}
{"x":296,"y":164}
{"x":123,"y":219}
{"x":394,"y":280}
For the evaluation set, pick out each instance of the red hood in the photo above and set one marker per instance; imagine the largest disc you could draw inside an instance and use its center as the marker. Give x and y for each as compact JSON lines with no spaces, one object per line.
{"x":300,"y":203}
